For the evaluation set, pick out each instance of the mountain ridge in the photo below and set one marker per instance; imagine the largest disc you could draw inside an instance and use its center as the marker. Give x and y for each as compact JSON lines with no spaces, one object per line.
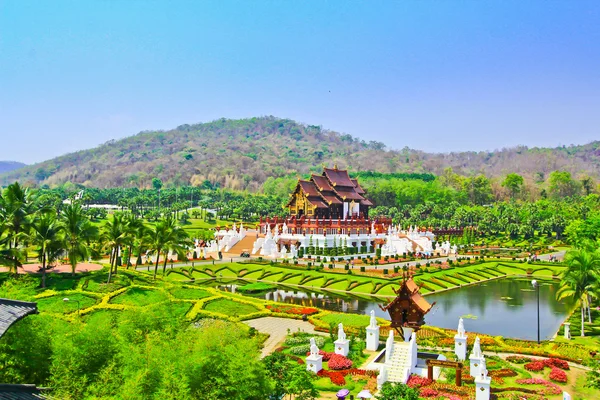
{"x":243,"y":153}
{"x":7,"y":166}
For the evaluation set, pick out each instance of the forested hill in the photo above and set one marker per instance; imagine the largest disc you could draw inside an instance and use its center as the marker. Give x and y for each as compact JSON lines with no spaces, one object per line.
{"x":242,"y":154}
{"x":6,"y":166}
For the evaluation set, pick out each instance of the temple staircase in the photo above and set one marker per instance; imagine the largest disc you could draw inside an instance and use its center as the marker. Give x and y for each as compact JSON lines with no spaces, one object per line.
{"x":399,"y":365}
{"x":244,"y":244}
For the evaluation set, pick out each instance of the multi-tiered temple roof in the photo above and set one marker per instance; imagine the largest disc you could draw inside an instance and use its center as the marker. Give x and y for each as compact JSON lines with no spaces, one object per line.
{"x":333,"y":194}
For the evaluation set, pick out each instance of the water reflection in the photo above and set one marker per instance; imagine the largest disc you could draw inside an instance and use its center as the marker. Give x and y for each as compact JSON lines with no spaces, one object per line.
{"x":506,"y":307}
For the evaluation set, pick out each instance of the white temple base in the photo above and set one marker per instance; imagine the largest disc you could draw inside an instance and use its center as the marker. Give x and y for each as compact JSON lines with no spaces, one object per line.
{"x":342,"y":347}
{"x":460,"y":347}
{"x":475,"y":366}
{"x":314,"y":363}
{"x":482,"y":388}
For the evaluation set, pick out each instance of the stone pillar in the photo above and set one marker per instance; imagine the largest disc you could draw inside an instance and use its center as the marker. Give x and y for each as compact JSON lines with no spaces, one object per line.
{"x":567,"y":330}
{"x":372,"y":334}
{"x":342,"y":345}
{"x":460,"y":342}
{"x":566,"y":396}
{"x":482,"y":386}
{"x":476,"y":359}
{"x":314,"y":362}
{"x":389,"y":346}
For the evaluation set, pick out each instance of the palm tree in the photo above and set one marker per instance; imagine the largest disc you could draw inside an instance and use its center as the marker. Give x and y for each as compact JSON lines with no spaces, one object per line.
{"x":78,"y":233}
{"x":178,"y":240}
{"x":46,"y":234}
{"x":158,"y":239}
{"x":141,"y":238}
{"x":114,"y":235}
{"x":580,"y":279}
{"x":167,"y":235}
{"x":16,"y":210}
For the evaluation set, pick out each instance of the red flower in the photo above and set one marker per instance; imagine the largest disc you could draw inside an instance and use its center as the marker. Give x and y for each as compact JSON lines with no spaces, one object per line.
{"x":418,"y":381}
{"x":558,"y":375}
{"x":428,"y":392}
{"x":338,"y":361}
{"x":535,"y":366}
{"x":556,"y":362}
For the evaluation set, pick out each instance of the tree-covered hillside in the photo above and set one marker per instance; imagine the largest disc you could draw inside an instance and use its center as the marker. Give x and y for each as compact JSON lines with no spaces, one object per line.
{"x":242,"y":154}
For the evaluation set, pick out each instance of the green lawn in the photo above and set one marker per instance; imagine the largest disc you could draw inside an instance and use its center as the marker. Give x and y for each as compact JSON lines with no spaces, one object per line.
{"x":56,"y":304}
{"x":139,"y":297}
{"x":230,"y":307}
{"x":189,"y":293}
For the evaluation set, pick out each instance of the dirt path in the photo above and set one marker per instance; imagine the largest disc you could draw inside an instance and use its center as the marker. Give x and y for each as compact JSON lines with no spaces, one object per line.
{"x":61,"y":269}
{"x":277,"y":329}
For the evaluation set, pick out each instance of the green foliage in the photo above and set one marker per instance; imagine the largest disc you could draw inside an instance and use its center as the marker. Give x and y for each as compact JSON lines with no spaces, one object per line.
{"x":397,"y":391}
{"x":230,"y":307}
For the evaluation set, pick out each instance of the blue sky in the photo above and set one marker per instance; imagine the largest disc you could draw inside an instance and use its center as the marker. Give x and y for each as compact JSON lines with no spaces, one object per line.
{"x":432,"y":75}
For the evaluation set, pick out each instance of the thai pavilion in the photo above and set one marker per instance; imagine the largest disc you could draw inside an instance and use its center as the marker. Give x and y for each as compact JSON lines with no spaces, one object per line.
{"x":331,"y":195}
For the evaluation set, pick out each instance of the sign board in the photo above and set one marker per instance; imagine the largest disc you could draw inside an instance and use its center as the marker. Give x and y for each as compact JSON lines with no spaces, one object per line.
{"x":444,"y":364}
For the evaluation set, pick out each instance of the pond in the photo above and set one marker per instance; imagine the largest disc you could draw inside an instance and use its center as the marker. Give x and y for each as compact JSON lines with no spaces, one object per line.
{"x":503,"y":307}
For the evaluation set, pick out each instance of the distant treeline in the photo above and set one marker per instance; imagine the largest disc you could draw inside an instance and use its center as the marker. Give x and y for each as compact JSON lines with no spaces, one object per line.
{"x":399,"y":175}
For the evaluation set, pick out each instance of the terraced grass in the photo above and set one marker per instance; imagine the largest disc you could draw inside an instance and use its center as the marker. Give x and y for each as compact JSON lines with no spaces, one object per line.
{"x":349,"y":320}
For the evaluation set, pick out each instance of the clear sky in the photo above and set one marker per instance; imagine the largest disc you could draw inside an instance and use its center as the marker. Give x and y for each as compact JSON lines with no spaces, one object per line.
{"x":432,"y":75}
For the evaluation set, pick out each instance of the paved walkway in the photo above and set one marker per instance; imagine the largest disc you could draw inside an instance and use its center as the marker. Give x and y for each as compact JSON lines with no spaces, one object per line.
{"x":277,"y":329}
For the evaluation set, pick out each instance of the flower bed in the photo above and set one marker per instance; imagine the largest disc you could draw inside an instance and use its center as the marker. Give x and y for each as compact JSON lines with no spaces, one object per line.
{"x":338,"y":362}
{"x":502,"y":373}
{"x":558,"y":375}
{"x":535,"y":366}
{"x":296,"y":310}
{"x":555,"y":362}
{"x":415,"y":381}
{"x":518,"y":359}
{"x":551,"y":388}
{"x":338,"y":377}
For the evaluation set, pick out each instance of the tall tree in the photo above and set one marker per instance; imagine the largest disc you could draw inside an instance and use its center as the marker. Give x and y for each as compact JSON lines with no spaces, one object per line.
{"x":17,"y":208}
{"x":114,"y":236}
{"x":46,"y":235}
{"x":513,"y":183}
{"x":561,"y":185}
{"x":580,"y":280}
{"x":78,"y":232}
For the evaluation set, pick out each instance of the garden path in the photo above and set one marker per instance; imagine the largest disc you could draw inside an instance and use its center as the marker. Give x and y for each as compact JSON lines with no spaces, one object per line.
{"x":277,"y":329}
